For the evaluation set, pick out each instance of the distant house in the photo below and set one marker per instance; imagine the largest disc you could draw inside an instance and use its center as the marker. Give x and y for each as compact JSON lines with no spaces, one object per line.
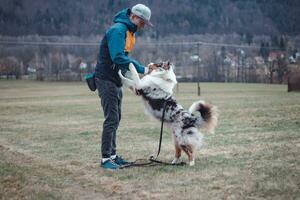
{"x":93,"y":64}
{"x":231,"y":59}
{"x":298,"y":55}
{"x":82,"y":66}
{"x":292,"y":60}
{"x":259,"y":60}
{"x":274,"y":55}
{"x":250,"y":62}
{"x":294,"y":57}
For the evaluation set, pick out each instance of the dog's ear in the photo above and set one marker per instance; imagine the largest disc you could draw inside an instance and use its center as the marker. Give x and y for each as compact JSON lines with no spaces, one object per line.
{"x":166,"y":65}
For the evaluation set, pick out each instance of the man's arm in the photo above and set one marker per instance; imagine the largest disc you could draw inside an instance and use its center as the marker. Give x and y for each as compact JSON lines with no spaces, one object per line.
{"x":116,"y":44}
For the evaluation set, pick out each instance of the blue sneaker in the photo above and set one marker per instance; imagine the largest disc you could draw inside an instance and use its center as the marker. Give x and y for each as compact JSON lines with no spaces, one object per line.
{"x":120,"y":161}
{"x":109,"y":164}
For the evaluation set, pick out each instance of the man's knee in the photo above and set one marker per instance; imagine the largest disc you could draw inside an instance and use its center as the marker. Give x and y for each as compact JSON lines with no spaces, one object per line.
{"x":112,"y":120}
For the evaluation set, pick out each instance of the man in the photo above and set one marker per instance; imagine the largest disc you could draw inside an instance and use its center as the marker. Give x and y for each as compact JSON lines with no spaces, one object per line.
{"x":117,"y":42}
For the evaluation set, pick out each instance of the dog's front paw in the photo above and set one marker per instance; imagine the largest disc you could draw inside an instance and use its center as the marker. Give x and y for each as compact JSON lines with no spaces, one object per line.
{"x":131,"y":67}
{"x":120,"y":74}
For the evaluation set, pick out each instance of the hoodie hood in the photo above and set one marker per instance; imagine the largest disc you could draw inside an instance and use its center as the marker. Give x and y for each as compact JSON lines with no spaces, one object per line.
{"x":123,"y":17}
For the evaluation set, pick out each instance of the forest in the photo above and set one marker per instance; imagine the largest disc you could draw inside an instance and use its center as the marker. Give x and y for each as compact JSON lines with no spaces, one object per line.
{"x":92,"y":17}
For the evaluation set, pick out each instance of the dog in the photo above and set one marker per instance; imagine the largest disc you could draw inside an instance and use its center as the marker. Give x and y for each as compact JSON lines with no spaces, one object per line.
{"x":156,"y":90}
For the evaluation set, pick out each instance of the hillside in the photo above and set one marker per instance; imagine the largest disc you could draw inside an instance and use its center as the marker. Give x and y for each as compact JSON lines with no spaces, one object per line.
{"x":92,"y":17}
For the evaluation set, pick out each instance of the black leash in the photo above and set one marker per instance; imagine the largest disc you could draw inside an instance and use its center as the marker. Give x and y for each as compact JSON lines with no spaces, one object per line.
{"x":153,"y":161}
{"x":161,"y":127}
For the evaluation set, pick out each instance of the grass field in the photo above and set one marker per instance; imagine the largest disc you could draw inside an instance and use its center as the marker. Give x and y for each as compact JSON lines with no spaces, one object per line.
{"x":50,"y":134}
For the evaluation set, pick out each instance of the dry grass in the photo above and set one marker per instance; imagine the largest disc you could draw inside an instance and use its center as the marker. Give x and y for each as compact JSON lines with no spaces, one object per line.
{"x":50,"y":132}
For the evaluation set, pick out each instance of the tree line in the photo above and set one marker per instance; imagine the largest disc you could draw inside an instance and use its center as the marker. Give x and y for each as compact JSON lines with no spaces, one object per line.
{"x":92,"y":17}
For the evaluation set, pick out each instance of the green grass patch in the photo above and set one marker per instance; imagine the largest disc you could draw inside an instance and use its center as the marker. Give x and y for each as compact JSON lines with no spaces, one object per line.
{"x":50,"y":145}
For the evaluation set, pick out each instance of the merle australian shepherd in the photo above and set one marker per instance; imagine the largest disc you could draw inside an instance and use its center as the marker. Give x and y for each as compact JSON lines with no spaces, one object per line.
{"x":156,"y":90}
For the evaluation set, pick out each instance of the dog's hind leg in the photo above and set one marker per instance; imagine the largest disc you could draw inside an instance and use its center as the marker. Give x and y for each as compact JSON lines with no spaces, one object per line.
{"x":177,"y":154}
{"x":190,"y":153}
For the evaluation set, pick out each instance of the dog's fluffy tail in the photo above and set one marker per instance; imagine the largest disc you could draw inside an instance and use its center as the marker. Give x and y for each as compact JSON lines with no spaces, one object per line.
{"x":209,"y":115}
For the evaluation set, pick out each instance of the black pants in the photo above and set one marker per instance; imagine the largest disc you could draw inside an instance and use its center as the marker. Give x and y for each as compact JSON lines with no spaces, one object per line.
{"x":111,"y":100}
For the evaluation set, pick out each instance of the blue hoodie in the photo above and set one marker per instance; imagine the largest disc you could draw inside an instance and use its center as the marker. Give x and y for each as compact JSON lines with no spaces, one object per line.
{"x":112,"y":56}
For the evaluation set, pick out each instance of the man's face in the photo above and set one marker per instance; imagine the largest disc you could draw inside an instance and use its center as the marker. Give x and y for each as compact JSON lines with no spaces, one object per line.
{"x":139,"y":22}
